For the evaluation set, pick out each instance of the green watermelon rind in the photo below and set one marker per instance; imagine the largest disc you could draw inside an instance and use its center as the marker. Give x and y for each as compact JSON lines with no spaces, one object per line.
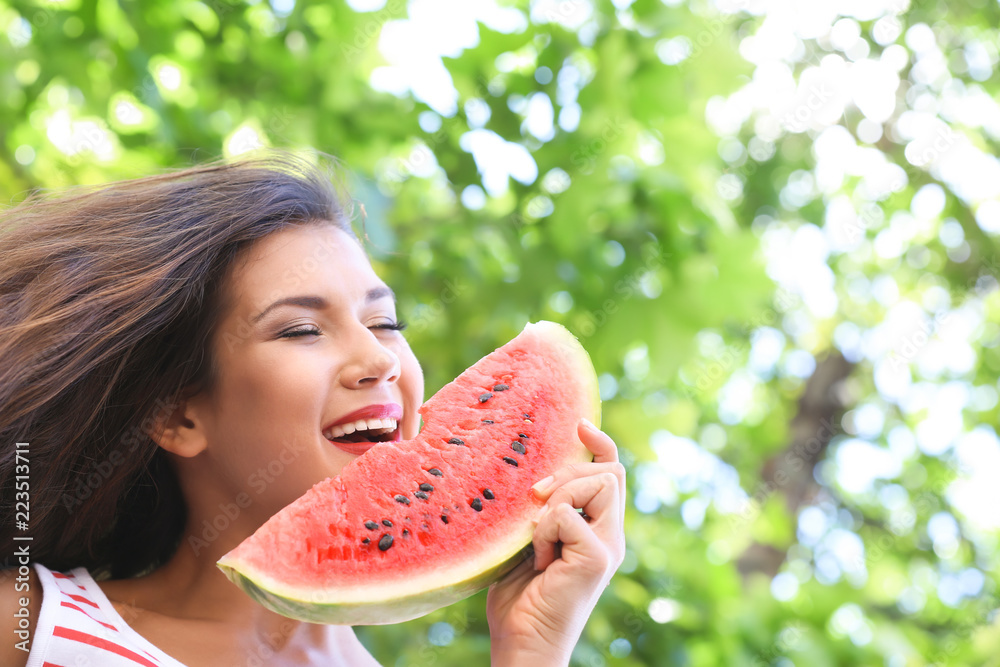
{"x":394,"y":603}
{"x":375,"y":612}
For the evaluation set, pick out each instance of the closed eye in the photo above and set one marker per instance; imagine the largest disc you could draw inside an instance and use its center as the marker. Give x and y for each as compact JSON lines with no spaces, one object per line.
{"x":314,"y":331}
{"x":398,"y":325}
{"x":295,"y":333}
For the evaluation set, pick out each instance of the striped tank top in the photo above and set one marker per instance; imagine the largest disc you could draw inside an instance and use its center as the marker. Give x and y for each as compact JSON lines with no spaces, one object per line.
{"x":79,"y":627}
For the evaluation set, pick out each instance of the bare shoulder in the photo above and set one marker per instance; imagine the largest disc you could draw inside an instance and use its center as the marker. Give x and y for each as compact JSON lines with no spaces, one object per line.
{"x":20,"y":602}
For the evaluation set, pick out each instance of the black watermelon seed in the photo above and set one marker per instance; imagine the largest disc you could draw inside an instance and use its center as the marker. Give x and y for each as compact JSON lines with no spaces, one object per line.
{"x":402,"y":499}
{"x":521,"y":435}
{"x":518,"y":447}
{"x":509,"y":460}
{"x":426,"y":487}
{"x":456,"y":441}
{"x":366,"y":541}
{"x":477,"y":504}
{"x":406,"y":532}
{"x":488,"y":494}
{"x":385,"y":542}
{"x":527,"y":416}
{"x":371,"y":525}
{"x":421,"y":495}
{"x":444,"y":518}
{"x":436,"y":472}
{"x":387,"y":523}
{"x":485,"y":397}
{"x":487,"y":421}
{"x":500,"y":387}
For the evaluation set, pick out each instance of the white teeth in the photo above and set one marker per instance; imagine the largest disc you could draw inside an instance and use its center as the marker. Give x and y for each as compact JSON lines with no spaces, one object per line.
{"x":360,"y":425}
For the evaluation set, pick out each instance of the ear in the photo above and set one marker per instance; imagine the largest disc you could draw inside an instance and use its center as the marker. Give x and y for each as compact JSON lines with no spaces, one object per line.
{"x":180,"y":427}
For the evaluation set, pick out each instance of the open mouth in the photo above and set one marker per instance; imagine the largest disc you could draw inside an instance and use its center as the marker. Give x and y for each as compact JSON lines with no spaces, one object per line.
{"x":368,"y":431}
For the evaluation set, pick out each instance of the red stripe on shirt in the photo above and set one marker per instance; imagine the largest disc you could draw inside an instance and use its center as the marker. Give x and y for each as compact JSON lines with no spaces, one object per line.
{"x":60,"y":575}
{"x":84,"y":638}
{"x":70,"y":605}
{"x":80,"y":598}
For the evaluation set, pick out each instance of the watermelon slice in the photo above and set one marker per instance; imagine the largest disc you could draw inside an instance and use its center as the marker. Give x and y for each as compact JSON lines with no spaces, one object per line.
{"x":412,"y":526}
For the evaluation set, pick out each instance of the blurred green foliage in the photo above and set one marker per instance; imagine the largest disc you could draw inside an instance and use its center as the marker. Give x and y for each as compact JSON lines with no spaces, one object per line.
{"x":643,"y":234}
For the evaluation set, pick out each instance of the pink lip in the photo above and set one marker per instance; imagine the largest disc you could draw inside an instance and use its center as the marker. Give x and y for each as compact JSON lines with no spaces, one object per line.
{"x":386,"y":411}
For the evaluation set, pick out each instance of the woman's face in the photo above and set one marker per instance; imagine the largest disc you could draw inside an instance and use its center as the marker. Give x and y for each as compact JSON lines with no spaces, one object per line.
{"x":310,"y":370}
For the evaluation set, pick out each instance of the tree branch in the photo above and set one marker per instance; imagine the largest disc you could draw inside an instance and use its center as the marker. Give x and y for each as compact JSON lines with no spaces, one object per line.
{"x":791,"y":470}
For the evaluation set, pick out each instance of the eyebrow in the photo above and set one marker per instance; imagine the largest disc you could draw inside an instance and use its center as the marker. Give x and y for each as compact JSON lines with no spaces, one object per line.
{"x":319,"y":303}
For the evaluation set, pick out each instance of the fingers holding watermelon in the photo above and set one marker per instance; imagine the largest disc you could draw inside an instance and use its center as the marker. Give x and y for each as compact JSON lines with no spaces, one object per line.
{"x":592,"y":541}
{"x":543,"y":613}
{"x":605,"y":454}
{"x":598,"y":489}
{"x":598,"y":442}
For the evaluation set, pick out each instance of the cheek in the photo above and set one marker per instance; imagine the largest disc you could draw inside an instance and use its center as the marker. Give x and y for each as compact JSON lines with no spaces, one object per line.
{"x":262,"y":395}
{"x":415,"y":378}
{"x":411,"y":382}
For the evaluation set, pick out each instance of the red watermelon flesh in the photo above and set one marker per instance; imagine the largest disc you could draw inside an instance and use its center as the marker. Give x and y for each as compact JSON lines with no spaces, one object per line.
{"x":455,"y":502}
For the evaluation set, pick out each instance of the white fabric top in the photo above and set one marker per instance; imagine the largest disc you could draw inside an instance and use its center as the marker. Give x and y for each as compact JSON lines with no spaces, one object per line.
{"x":78,"y":626}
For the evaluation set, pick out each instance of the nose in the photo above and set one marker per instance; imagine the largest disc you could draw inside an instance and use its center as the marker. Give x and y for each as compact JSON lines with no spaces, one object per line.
{"x":369,"y":362}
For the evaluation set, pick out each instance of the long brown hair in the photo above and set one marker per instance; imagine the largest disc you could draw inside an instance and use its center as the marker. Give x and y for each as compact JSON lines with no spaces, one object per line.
{"x":108,"y":298}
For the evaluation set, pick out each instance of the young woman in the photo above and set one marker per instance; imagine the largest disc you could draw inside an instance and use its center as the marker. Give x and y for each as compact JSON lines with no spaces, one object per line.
{"x":185,"y":346}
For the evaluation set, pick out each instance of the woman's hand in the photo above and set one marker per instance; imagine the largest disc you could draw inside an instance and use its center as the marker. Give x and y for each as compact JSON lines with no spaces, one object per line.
{"x":538,"y":611}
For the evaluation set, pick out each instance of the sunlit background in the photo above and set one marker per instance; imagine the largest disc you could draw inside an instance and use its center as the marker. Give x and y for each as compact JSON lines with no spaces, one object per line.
{"x":773,"y":224}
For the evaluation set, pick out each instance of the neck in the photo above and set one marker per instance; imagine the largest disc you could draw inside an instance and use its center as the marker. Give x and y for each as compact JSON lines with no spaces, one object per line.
{"x":190,"y":585}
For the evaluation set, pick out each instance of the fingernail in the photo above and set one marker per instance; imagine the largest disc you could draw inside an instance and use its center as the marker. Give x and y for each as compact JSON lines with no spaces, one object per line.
{"x":589,"y":424}
{"x":543,"y":484}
